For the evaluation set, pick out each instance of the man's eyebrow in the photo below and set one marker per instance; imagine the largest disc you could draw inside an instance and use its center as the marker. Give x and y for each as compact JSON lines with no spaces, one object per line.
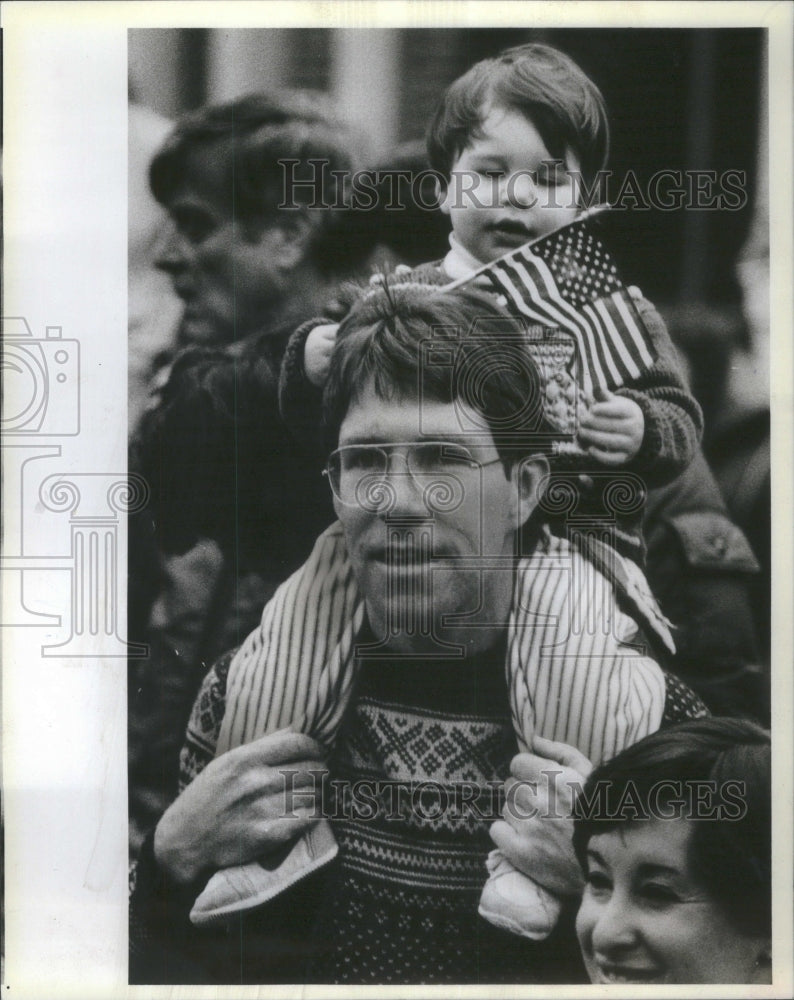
{"x":459,"y":439}
{"x":362,"y":439}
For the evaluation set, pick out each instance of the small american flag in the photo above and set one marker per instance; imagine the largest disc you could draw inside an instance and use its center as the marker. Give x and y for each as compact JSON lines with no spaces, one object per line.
{"x":568,"y":281}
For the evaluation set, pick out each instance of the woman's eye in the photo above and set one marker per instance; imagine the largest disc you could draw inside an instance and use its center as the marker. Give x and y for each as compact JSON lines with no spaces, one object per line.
{"x":490,"y":170}
{"x":659,"y":895}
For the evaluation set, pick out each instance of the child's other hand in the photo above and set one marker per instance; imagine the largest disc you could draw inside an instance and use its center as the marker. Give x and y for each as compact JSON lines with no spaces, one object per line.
{"x":317,"y":353}
{"x":612,"y":429}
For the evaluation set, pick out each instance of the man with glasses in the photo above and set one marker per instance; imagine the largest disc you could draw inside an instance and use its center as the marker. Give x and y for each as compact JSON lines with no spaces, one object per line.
{"x":375,"y":711}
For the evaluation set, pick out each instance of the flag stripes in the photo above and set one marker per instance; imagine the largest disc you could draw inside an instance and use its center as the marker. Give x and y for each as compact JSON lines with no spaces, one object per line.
{"x":568,"y":281}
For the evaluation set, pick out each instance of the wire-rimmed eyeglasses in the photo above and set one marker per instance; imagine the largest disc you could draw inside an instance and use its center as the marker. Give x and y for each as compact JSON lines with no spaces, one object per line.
{"x":354,"y":470}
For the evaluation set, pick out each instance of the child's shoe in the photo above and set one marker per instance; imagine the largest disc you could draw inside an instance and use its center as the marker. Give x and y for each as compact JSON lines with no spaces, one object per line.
{"x":515,"y":903}
{"x":234,"y":890}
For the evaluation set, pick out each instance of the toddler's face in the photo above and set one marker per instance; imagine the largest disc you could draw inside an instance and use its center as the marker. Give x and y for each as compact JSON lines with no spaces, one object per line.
{"x":505,"y":188}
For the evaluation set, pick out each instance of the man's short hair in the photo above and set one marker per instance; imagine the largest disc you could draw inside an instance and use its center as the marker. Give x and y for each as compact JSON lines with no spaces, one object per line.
{"x":539,"y":82}
{"x":731,"y":849}
{"x":419,"y":342}
{"x":257,"y":134}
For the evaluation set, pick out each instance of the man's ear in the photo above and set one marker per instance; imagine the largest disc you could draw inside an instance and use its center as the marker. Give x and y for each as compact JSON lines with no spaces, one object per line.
{"x":529,"y":476}
{"x":288,"y":240}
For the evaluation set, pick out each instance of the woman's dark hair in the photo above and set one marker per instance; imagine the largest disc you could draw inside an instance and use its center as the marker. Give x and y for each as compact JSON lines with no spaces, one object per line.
{"x":726,"y":760}
{"x":416,"y":341}
{"x":540,"y":83}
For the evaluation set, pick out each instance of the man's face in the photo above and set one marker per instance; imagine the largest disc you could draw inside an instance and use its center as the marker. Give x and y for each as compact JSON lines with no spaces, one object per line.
{"x":505,"y":189}
{"x":225,"y":273}
{"x":408,"y":532}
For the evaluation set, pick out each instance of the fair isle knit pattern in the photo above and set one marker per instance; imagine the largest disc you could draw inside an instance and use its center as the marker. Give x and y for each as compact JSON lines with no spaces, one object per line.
{"x":403,"y":907}
{"x":571,"y":676}
{"x":403,"y":904}
{"x":427,"y":834}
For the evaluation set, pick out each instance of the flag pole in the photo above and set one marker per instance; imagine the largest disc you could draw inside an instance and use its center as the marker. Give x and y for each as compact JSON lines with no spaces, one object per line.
{"x":588,"y":214}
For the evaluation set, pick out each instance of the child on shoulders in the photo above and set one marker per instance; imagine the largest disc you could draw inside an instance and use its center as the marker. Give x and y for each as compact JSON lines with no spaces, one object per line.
{"x":517,"y":138}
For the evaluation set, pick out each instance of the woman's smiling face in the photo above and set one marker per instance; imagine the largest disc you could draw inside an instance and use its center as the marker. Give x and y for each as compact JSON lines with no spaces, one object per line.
{"x":645,"y":918}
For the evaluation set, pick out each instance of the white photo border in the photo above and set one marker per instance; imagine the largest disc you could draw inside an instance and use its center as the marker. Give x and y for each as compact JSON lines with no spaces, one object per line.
{"x":64,"y":717}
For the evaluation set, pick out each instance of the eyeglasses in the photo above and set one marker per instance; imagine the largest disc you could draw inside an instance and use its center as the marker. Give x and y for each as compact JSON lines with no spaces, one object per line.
{"x":359,"y":473}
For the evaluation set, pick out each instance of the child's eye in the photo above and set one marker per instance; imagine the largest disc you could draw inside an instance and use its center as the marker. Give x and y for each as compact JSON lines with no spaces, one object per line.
{"x":551,"y":173}
{"x":597,"y":882}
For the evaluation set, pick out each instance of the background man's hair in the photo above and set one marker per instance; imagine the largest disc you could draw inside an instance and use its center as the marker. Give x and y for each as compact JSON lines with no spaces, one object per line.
{"x":732,"y":856}
{"x":256,"y":134}
{"x":539,"y":82}
{"x":480,"y":361}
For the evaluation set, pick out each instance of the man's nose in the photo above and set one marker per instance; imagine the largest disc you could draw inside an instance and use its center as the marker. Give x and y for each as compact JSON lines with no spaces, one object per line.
{"x":615,"y":929}
{"x":405,"y":494}
{"x":172,"y":256}
{"x":402,"y":492}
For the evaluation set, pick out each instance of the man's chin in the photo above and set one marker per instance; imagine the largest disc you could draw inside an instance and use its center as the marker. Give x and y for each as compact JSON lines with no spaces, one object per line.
{"x":408,"y":614}
{"x":410,"y":636}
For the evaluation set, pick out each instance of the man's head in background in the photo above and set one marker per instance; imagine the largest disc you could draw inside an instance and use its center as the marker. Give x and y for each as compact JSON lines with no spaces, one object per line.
{"x":240,"y":263}
{"x":433,"y":412}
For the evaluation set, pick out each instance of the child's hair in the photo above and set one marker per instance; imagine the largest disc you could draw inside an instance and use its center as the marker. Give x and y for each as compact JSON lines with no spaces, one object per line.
{"x":541,"y":83}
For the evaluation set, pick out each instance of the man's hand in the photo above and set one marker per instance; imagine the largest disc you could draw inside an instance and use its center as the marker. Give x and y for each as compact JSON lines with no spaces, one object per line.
{"x":317,"y":353}
{"x":536,"y":832}
{"x":241,"y":805}
{"x":612,"y":429}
